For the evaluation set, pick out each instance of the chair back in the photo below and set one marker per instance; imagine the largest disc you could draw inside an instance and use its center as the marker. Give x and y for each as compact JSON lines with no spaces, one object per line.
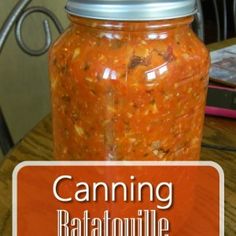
{"x":223,"y":20}
{"x":16,"y":18}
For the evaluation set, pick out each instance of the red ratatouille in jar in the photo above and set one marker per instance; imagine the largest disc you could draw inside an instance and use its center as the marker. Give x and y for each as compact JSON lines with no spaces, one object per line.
{"x":128,"y":82}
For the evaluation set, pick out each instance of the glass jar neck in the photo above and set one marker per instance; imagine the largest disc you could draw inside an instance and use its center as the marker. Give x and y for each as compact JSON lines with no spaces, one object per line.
{"x":132,"y":25}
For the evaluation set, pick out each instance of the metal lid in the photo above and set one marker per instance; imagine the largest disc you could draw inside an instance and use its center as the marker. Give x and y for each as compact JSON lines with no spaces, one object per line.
{"x":131,"y":10}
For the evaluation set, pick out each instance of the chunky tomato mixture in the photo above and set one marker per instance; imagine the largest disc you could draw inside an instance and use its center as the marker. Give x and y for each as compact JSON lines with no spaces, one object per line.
{"x":128,"y":90}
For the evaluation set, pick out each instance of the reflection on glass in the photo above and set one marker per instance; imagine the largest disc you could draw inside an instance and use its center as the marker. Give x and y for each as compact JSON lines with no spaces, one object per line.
{"x":109,"y":74}
{"x":153,"y":36}
{"x":158,"y":71}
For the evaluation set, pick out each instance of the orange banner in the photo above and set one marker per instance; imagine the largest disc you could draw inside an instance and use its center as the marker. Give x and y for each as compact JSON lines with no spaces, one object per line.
{"x":118,"y":198}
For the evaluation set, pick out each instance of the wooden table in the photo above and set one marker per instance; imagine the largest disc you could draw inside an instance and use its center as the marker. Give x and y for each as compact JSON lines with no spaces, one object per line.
{"x":37,"y":145}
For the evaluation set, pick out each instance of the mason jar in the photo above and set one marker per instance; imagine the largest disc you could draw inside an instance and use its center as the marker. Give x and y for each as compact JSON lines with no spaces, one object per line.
{"x":128,"y":82}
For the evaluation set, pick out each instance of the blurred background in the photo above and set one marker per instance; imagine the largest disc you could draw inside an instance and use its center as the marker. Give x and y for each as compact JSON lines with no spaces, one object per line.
{"x":210,"y":21}
{"x":24,"y":84}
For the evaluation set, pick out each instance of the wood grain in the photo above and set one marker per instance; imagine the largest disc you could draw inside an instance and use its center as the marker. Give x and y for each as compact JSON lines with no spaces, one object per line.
{"x":37,"y":145}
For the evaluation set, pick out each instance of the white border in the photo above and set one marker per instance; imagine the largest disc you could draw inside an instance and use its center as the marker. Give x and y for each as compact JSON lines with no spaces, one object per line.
{"x":116,"y":163}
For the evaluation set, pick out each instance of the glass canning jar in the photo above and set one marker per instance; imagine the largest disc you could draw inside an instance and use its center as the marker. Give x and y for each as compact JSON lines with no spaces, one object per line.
{"x":128,"y":86}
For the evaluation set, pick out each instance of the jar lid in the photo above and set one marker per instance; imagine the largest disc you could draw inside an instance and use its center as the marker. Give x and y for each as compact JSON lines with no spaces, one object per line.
{"x":131,"y":10}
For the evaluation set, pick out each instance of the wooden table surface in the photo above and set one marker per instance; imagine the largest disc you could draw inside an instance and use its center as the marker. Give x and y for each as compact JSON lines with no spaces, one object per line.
{"x":37,"y":145}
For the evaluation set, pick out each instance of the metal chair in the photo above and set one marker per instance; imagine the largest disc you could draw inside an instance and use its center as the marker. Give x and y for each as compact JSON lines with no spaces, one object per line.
{"x":221,"y":14}
{"x":17,"y":17}
{"x":225,"y":20}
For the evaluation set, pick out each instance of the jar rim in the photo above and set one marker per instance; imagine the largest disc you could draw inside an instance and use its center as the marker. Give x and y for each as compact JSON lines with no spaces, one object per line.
{"x":130,"y":10}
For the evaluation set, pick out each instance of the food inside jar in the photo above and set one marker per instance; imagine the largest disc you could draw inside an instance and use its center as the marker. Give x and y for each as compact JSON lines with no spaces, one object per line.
{"x":128,"y":93}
